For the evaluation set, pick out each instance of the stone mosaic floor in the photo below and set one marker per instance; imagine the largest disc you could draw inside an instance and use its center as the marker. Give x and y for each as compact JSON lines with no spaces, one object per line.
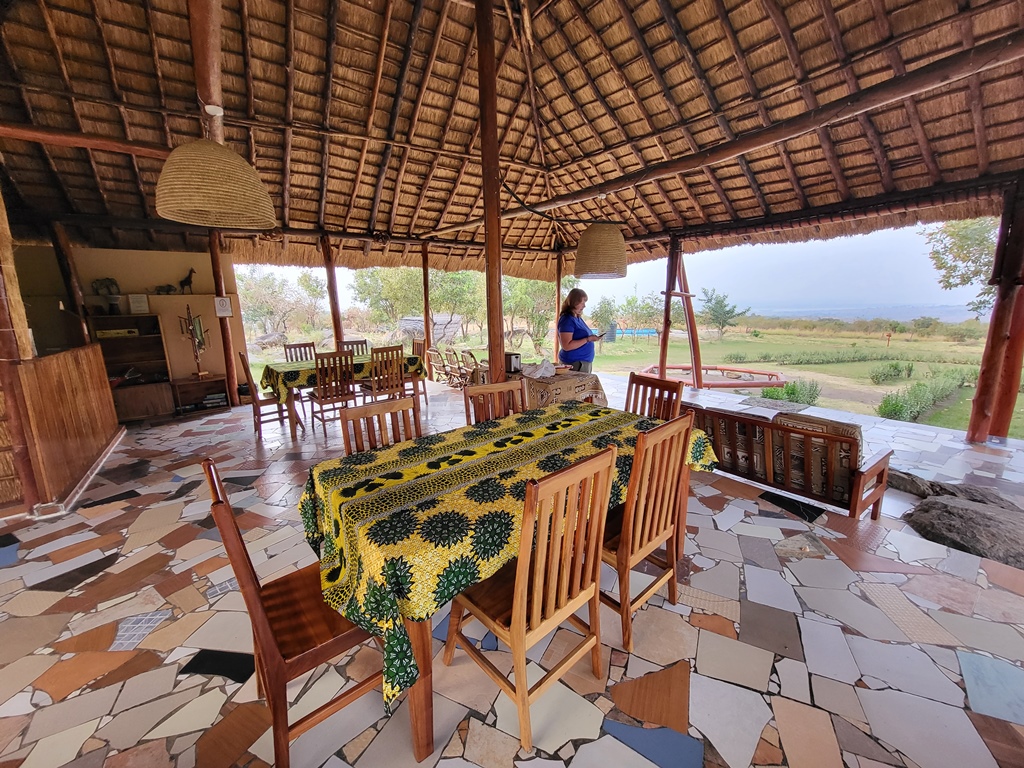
{"x":124,"y":641}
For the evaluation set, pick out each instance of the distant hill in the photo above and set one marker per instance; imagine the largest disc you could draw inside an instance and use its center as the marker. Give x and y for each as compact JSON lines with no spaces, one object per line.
{"x":947,"y":313}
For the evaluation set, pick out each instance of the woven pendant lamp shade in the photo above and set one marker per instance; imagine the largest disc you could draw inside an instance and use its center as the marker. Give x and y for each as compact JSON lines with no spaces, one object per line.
{"x":206,"y":184}
{"x":601,"y":252}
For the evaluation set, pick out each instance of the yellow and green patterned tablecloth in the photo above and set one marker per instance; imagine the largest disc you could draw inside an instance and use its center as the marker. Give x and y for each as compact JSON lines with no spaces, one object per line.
{"x":402,"y":530}
{"x":280,"y":377}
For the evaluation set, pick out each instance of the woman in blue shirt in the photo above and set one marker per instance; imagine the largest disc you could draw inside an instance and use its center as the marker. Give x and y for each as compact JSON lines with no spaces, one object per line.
{"x":574,"y":337}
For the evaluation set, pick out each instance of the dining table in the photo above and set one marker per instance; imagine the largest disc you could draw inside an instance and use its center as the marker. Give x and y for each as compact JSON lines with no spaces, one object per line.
{"x":403,"y":529}
{"x":284,"y":378}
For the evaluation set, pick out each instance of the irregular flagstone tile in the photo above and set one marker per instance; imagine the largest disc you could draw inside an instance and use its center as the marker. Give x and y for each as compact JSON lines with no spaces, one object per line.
{"x":144,"y":538}
{"x":579,"y":677}
{"x":146,"y":687}
{"x":827,"y":652}
{"x":70,"y":573}
{"x":637,"y":667}
{"x":98,"y":639}
{"x":736,"y":736}
{"x":944,"y":657}
{"x":912,"y":547}
{"x":488,"y":747}
{"x":720,"y":541}
{"x":128,"y":727}
{"x":70,"y":713}
{"x":912,"y":621}
{"x":769,"y":628}
{"x":733,"y":661}
{"x":761,"y":531}
{"x":927,"y":732}
{"x":382,"y":752}
{"x":705,"y":601}
{"x":992,"y":604}
{"x":606,"y":752}
{"x":722,"y":580}
{"x":141,"y":662}
{"x":905,"y":669}
{"x":1000,"y":639}
{"x":61,"y":747}
{"x":223,"y":744}
{"x":556,"y":717}
{"x":852,"y":611}
{"x":68,"y":676}
{"x":151,"y":755}
{"x":961,"y":564}
{"x":144,"y":602}
{"x":994,"y":687}
{"x":852,"y":739}
{"x":858,"y":560}
{"x":948,"y":591}
{"x":187,"y":599}
{"x":830,"y":574}
{"x":156,"y":517}
{"x":662,"y":636}
{"x":1005,"y":740}
{"x":197,"y":715}
{"x":1004,"y":576}
{"x":801,"y":546}
{"x":17,"y":675}
{"x":174,"y":634}
{"x":224,"y":631}
{"x":465,"y":683}
{"x":793,"y":680}
{"x":717,"y":624}
{"x":807,"y":736}
{"x":770,"y":588}
{"x":838,"y":698}
{"x":133,"y":560}
{"x":21,"y":636}
{"x":759,"y":552}
{"x":728,"y":517}
{"x":660,"y":697}
{"x":10,"y":727}
{"x":662,"y":746}
{"x":31,"y":602}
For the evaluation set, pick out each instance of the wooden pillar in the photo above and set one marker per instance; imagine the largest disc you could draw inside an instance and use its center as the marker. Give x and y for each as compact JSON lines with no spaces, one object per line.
{"x":332,"y":290}
{"x":558,"y":299}
{"x":66,"y":264}
{"x":1009,"y":382}
{"x":428,"y":326}
{"x":230,"y":369}
{"x":692,"y":337}
{"x":671,"y":278}
{"x":487,"y":67}
{"x":204,"y":21}
{"x":14,"y":346}
{"x":1006,"y":274}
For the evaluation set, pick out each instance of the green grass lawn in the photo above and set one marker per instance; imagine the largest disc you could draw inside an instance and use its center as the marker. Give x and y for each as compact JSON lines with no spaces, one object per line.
{"x":956,"y":413}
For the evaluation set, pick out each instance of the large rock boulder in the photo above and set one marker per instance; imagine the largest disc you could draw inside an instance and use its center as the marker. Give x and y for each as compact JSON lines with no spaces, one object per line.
{"x":988,"y":530}
{"x":268,"y":340}
{"x":904,"y":481}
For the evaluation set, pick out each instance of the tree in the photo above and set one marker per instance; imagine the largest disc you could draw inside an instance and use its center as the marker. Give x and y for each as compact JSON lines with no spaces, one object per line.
{"x":963,"y":252}
{"x":924,"y":325}
{"x":457,"y":293}
{"x":604,"y":314}
{"x":266,"y":300}
{"x":312,"y":294}
{"x":717,"y":312}
{"x":652,"y":312}
{"x":389,"y":292}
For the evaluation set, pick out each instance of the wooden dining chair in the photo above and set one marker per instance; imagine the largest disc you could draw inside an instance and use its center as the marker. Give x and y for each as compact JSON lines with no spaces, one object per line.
{"x":335,"y":387}
{"x":296,"y":353}
{"x":654,"y":397}
{"x":294,"y":630}
{"x":654,"y":514}
{"x":417,"y":385}
{"x":528,"y":598}
{"x":387,"y":373}
{"x":261,"y":401}
{"x":494,"y":401}
{"x":381,"y":423}
{"x":358,"y":347}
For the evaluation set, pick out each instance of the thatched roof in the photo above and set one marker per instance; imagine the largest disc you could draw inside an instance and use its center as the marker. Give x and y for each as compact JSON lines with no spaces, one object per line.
{"x":362,"y":120}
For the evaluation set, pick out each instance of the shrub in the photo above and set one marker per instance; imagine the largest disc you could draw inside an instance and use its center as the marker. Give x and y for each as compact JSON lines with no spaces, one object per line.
{"x":909,"y":403}
{"x":887,"y":372}
{"x":799,"y":391}
{"x":734,"y":357}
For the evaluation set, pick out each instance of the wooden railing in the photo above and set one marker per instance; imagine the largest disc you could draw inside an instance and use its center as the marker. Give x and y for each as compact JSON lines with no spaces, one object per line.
{"x":69,"y":417}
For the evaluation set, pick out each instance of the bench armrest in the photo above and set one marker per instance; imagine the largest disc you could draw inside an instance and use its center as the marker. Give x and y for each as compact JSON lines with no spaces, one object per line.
{"x":875,"y":464}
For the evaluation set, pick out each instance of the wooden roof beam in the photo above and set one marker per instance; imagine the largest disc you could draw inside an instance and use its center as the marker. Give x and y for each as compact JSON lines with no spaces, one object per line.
{"x":289,"y":110}
{"x":58,"y":137}
{"x":325,"y":162}
{"x":996,"y":53}
{"x":155,"y":50}
{"x":866,"y":126}
{"x":975,"y":104}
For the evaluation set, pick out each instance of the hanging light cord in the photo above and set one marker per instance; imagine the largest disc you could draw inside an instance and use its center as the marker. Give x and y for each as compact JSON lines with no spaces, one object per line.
{"x":557,"y":219}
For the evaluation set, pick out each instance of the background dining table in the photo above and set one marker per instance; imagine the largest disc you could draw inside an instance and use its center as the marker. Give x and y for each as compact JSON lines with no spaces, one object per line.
{"x":284,"y":378}
{"x":401,"y":530}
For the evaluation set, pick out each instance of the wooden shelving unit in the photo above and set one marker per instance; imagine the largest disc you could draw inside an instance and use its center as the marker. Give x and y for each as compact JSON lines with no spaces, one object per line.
{"x":135,"y":342}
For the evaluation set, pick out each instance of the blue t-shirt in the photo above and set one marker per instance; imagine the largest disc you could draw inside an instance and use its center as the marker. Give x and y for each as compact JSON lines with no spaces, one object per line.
{"x":579,"y":330}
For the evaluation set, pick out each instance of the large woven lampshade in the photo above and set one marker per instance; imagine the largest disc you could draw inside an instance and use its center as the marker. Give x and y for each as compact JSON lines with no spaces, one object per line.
{"x":601,"y":252}
{"x":207,"y":184}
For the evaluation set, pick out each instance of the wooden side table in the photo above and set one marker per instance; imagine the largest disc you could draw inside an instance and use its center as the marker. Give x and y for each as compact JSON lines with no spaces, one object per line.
{"x":192,"y":394}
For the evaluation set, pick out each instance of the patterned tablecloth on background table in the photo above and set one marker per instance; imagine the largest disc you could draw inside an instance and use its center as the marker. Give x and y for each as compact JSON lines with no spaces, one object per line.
{"x":402,"y":530}
{"x":561,"y":387}
{"x":280,"y":377}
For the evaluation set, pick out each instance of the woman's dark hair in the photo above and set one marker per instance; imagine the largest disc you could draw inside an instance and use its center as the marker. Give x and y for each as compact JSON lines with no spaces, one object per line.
{"x":576,"y":295}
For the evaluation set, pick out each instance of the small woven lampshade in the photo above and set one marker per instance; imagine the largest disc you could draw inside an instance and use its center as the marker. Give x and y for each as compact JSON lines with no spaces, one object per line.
{"x":207,"y":184}
{"x":601,"y":252}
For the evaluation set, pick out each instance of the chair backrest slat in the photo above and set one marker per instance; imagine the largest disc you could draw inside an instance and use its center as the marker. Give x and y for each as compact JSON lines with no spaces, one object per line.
{"x":387,"y":370}
{"x":494,"y":401}
{"x":358,"y":347}
{"x":563,"y":528}
{"x":335,"y":379}
{"x":294,"y":353}
{"x":654,"y":397}
{"x":379,"y":424}
{"x":254,"y":391}
{"x":419,"y":348}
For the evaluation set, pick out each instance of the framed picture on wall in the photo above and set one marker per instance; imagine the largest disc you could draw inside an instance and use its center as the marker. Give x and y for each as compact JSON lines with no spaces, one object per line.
{"x":138,"y":304}
{"x":222,"y":306}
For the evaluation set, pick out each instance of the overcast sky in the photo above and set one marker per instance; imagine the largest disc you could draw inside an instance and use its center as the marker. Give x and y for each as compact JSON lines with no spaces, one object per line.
{"x":888,"y":268}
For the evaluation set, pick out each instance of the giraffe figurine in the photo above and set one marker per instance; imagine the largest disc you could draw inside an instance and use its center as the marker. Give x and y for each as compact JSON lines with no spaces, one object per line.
{"x":186,"y":282}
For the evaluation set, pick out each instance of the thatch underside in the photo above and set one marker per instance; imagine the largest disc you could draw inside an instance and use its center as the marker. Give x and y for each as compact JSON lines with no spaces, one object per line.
{"x":589,"y":91}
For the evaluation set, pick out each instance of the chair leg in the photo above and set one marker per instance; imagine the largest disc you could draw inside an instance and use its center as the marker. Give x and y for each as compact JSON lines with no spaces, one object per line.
{"x":522,"y":697}
{"x":672,"y":551}
{"x":278,"y":703}
{"x":595,"y":627}
{"x":454,"y":623}
{"x":625,"y":611}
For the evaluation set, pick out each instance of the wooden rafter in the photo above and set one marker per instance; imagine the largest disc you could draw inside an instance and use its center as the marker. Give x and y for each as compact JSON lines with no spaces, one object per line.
{"x":154,"y":48}
{"x":976,"y":103}
{"x":325,"y":163}
{"x":289,"y":109}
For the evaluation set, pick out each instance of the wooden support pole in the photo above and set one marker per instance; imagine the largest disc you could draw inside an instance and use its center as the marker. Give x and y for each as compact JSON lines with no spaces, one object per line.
{"x":692,"y":337}
{"x":1009,"y":382}
{"x":558,"y":300}
{"x":204,"y":22}
{"x":332,"y":290}
{"x":492,"y":189}
{"x":60,"y":138}
{"x":230,"y":370}
{"x":428,"y":326}
{"x":671,"y":276}
{"x":1009,"y":261}
{"x":66,"y":263}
